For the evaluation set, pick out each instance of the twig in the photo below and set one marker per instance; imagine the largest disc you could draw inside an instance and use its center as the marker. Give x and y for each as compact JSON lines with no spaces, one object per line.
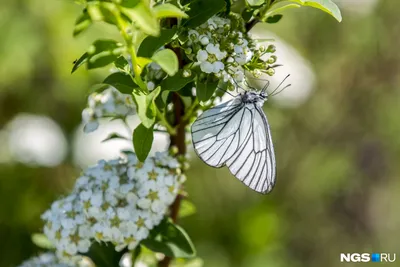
{"x":178,"y":140}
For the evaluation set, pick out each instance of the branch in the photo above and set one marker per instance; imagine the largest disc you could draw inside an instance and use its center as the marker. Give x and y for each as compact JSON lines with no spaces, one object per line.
{"x":178,"y":140}
{"x":249,"y":25}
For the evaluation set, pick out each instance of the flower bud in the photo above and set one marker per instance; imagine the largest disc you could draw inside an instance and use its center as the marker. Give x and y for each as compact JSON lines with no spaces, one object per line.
{"x":272,"y":60}
{"x":256,"y":73}
{"x":271,"y":49}
{"x":175,"y":43}
{"x":188,"y":51}
{"x":270,"y":71}
{"x":173,"y":150}
{"x":187,"y":73}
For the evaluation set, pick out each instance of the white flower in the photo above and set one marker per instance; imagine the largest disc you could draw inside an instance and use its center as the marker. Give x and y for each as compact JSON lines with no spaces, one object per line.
{"x":44,"y":260}
{"x":150,"y":86}
{"x":193,"y":35}
{"x":117,"y":201}
{"x":209,"y":59}
{"x":204,"y":40}
{"x":108,"y":103}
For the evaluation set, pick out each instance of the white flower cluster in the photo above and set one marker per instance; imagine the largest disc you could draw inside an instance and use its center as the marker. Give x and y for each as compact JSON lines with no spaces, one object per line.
{"x":221,"y":50}
{"x":117,"y":201}
{"x":44,"y":260}
{"x":109,"y":103}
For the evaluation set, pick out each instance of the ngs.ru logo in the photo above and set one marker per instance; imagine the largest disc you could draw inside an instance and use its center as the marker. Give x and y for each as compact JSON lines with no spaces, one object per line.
{"x":367,"y":257}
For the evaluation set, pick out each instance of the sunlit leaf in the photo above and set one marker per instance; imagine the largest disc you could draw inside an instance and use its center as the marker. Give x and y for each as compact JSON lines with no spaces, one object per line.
{"x":146,"y":107}
{"x":82,"y":23}
{"x":327,"y":6}
{"x":103,"y":11}
{"x":167,"y":60}
{"x":279,"y":7}
{"x":143,"y":17}
{"x":255,"y":2}
{"x":103,"y":52}
{"x":187,"y":208}
{"x":168,"y":11}
{"x":142,"y":62}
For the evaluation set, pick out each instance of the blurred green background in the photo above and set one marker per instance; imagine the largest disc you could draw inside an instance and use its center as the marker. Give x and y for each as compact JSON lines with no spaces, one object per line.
{"x":338,"y":152}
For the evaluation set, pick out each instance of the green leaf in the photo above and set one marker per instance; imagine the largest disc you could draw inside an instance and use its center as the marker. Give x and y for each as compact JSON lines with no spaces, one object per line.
{"x":142,"y":62}
{"x":168,"y":11}
{"x":205,"y":90}
{"x":201,"y":11}
{"x":42,"y":241}
{"x":327,"y":6}
{"x":178,"y":240}
{"x":121,"y":63}
{"x":176,"y":82}
{"x":187,"y":90}
{"x":121,"y":81}
{"x":104,"y":255}
{"x":247,"y":15}
{"x":161,"y":100}
{"x":82,"y":23}
{"x":151,"y":44}
{"x":113,"y":136}
{"x":186,"y":209}
{"x":158,"y":246}
{"x":103,"y":52}
{"x":143,"y":17}
{"x":79,"y":62}
{"x":255,"y":2}
{"x":142,"y":141}
{"x":167,"y":60}
{"x":146,"y":107}
{"x":103,"y":11}
{"x":274,"y":18}
{"x":279,"y":7}
{"x":172,"y":241}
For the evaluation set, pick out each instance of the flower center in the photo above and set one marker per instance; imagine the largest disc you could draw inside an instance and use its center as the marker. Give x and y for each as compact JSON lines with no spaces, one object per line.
{"x":211,"y":58}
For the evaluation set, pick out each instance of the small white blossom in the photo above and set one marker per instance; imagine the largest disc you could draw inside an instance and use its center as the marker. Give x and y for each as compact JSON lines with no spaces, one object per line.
{"x":44,"y":260}
{"x":221,"y":48}
{"x":117,"y":201}
{"x":110,"y":102}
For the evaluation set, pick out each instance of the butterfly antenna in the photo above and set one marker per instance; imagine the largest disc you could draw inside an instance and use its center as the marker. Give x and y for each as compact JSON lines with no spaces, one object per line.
{"x":265,"y":87}
{"x":273,"y":92}
{"x":281,"y":90}
{"x":225,"y":91}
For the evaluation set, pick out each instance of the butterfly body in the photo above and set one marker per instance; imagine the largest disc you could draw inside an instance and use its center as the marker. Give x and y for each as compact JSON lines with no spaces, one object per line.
{"x":252,"y":97}
{"x":236,"y":134}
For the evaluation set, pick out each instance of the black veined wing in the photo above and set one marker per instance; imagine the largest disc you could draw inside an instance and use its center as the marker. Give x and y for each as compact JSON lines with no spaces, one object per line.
{"x":237,"y":134}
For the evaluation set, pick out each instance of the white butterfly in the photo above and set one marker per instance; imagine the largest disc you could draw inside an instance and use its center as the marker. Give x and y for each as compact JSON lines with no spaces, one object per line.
{"x":237,"y":134}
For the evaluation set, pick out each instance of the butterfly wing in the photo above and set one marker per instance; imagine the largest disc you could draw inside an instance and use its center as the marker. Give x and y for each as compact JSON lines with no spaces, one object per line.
{"x":254,"y":162}
{"x":219,"y":131}
{"x":237,"y":135}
